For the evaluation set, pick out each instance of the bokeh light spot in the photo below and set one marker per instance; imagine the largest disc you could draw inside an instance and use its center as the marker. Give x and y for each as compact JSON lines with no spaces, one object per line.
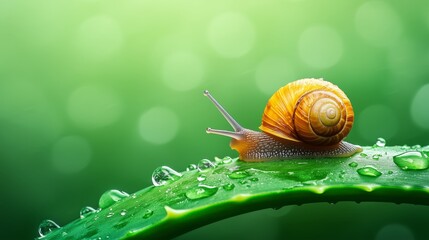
{"x":419,"y":107}
{"x":378,"y":23}
{"x":377,"y":121}
{"x":273,"y":72}
{"x":231,"y":34}
{"x":183,"y":71}
{"x":320,"y":47}
{"x":158,"y":125}
{"x":99,"y":38}
{"x":394,"y":231}
{"x":71,"y":154}
{"x":93,"y":107}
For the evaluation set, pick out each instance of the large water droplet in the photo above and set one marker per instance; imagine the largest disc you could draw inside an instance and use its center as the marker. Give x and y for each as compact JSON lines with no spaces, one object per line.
{"x":202,"y":191}
{"x":110,"y":197}
{"x":412,"y":161}
{"x":381,"y":142}
{"x":148,"y":213}
{"x":239,"y":174}
{"x":205,"y":165}
{"x":163,"y":175}
{"x":369,"y":171}
{"x":86,"y":211}
{"x":46,"y":227}
{"x":364,"y":155}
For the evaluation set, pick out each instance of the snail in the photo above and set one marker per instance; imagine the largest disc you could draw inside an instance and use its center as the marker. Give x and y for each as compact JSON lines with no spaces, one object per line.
{"x":306,"y":118}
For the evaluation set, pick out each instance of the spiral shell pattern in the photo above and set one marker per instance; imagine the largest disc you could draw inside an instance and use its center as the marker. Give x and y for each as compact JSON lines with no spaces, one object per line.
{"x":313,"y":111}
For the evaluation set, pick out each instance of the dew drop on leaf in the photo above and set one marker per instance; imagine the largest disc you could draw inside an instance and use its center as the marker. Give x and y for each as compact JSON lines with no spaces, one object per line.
{"x":376,"y":156}
{"x":227,"y":160}
{"x":228,"y":186}
{"x":123,"y":212}
{"x":205,"y":165}
{"x":110,"y":197}
{"x":164,"y":175}
{"x":47,"y":226}
{"x":364,"y":155}
{"x":369,"y":171}
{"x":202,"y":191}
{"x":353,"y":164}
{"x":86,"y":211}
{"x":147,"y":213}
{"x":405,"y":147}
{"x":239,"y":174}
{"x":254,"y":179}
{"x":191,"y":167}
{"x":413,"y":160}
{"x":381,"y":142}
{"x":201,"y":177}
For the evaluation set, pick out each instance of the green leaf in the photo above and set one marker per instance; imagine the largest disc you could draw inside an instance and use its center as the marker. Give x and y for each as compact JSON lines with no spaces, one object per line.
{"x":195,"y":198}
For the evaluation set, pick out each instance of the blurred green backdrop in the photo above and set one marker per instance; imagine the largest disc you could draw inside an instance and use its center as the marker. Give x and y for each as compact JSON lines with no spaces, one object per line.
{"x":96,"y":94}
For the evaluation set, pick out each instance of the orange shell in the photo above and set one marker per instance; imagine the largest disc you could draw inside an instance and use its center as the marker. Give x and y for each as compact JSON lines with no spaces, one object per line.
{"x":313,"y":111}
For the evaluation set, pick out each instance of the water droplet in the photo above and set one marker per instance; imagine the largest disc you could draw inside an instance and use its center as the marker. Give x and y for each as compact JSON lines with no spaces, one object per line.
{"x":164,"y":175}
{"x":353,"y":164}
{"x":238,"y":174}
{"x":376,"y":156}
{"x":364,"y":155}
{"x":381,"y":142}
{"x":405,"y":147}
{"x":123,"y":212}
{"x":46,"y":227}
{"x":205,"y":165}
{"x":242,"y":181}
{"x":110,"y":214}
{"x":227,"y":160}
{"x":411,"y":161}
{"x":228,"y":186}
{"x":218,"y":161}
{"x":390,"y":172}
{"x":254,"y":179}
{"x":191,"y":167}
{"x":86,"y":211}
{"x":202,"y":177}
{"x":110,"y":197}
{"x":369,"y":171}
{"x":202,"y":191}
{"x":148,"y":213}
{"x":120,"y":225}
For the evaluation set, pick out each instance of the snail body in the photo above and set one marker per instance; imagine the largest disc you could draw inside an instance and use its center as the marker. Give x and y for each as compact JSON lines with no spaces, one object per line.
{"x":304,"y":119}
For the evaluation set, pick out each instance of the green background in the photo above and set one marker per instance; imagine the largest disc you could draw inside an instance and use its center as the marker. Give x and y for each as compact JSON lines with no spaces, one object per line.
{"x":95,"y":94}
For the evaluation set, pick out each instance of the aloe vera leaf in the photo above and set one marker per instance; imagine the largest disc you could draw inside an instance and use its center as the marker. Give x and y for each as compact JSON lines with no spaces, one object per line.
{"x":202,"y":197}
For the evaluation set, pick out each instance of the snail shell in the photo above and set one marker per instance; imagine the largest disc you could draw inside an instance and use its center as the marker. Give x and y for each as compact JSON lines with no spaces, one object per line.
{"x":313,"y":111}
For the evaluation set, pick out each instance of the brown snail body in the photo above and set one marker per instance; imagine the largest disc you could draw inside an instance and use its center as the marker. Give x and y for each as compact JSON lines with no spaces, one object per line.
{"x":304,"y":119}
